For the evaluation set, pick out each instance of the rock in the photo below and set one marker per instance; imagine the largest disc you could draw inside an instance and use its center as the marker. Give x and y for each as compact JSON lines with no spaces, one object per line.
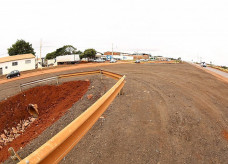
{"x":5,"y":131}
{"x":14,"y":130}
{"x":22,"y":128}
{"x":26,"y":124}
{"x":18,"y":128}
{"x":32,"y":119}
{"x":17,"y":135}
{"x":11,"y":136}
{"x":10,"y":139}
{"x":3,"y":136}
{"x":0,"y":147}
{"x":89,"y":96}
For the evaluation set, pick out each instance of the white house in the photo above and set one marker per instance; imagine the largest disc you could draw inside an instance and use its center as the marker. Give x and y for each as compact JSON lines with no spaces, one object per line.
{"x":18,"y":62}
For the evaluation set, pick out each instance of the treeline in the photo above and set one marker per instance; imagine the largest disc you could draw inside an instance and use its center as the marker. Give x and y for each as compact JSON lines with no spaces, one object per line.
{"x":23,"y":47}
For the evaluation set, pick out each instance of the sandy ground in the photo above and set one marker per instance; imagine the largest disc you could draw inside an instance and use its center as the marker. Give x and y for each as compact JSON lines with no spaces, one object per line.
{"x":170,"y":113}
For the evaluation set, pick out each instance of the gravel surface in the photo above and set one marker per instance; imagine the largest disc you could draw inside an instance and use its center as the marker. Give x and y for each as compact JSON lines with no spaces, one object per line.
{"x":169,"y":113}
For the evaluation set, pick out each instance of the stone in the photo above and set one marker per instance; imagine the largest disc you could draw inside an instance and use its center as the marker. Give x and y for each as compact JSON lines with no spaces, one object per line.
{"x":10,"y":139}
{"x":32,"y":119}
{"x":17,"y":135}
{"x":18,"y":128}
{"x":14,"y":130}
{"x":3,"y":136}
{"x":11,"y":136}
{"x":90,"y":96}
{"x":26,"y":123}
{"x":5,"y":131}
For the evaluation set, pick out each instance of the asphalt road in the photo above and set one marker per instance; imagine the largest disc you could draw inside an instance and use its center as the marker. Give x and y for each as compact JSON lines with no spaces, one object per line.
{"x":224,"y":74}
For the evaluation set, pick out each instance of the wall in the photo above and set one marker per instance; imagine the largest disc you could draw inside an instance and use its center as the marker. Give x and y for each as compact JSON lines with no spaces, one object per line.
{"x":128,"y":58}
{"x":137,"y":57}
{"x":110,"y":53}
{"x":22,"y":66}
{"x":118,"y":57}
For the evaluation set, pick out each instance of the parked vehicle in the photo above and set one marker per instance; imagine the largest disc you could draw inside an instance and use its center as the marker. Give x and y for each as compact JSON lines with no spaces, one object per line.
{"x":137,"y":61}
{"x":71,"y":59}
{"x":203,"y":64}
{"x":112,"y":61}
{"x":99,"y":60}
{"x":14,"y":73}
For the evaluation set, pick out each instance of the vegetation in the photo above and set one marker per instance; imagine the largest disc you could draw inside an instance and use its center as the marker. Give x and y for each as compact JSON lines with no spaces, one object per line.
{"x":89,"y":53}
{"x":65,"y":50}
{"x":20,"y":47}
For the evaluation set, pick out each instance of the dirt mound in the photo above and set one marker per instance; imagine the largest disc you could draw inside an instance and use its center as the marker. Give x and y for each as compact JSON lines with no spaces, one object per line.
{"x":53,"y":101}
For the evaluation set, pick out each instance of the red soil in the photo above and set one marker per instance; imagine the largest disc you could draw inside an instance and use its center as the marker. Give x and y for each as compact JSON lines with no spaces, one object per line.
{"x":225,"y":134}
{"x":53,"y":101}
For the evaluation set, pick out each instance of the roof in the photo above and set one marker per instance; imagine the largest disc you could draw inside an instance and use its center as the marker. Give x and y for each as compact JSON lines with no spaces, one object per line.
{"x":16,"y":57}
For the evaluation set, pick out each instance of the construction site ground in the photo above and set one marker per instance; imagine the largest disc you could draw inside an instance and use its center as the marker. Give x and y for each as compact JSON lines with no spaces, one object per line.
{"x":169,"y":113}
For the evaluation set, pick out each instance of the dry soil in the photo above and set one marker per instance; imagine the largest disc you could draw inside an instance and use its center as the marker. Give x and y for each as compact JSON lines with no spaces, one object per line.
{"x":170,"y":113}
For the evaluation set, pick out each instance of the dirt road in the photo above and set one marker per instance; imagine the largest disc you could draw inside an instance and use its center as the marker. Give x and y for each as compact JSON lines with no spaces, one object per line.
{"x":170,"y":113}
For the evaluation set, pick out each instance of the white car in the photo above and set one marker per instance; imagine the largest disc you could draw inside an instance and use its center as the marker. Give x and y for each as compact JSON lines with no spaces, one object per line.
{"x":203,"y":64}
{"x":112,"y":61}
{"x":99,"y":60}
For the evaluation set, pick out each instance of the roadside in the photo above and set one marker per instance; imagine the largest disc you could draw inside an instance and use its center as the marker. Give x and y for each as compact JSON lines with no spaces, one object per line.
{"x":222,"y":73}
{"x":54,"y":70}
{"x":215,"y":72}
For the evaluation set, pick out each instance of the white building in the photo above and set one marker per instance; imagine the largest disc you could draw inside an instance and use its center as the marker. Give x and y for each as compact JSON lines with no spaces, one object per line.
{"x":119,"y":57}
{"x":18,"y":62}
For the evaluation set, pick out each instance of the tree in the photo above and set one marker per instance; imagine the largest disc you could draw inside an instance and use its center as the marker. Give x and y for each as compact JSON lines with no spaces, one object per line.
{"x":50,"y":55}
{"x":89,"y":53}
{"x":65,"y":50}
{"x":79,"y":52}
{"x":20,"y":47}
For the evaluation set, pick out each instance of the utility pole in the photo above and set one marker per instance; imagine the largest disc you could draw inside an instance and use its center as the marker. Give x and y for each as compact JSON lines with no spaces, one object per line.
{"x":112,"y":50}
{"x":41,"y":62}
{"x":40,"y":47}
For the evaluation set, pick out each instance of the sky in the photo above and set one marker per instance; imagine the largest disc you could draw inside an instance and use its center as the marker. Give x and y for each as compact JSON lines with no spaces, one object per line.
{"x":191,"y":29}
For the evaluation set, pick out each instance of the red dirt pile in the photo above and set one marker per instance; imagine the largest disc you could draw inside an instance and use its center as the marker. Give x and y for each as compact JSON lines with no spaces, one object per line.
{"x":53,"y":101}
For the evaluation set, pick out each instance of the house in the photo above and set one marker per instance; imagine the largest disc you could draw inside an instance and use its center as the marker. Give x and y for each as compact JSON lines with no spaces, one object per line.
{"x":111,"y":53}
{"x":161,"y":58}
{"x":18,"y":62}
{"x":138,"y":57}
